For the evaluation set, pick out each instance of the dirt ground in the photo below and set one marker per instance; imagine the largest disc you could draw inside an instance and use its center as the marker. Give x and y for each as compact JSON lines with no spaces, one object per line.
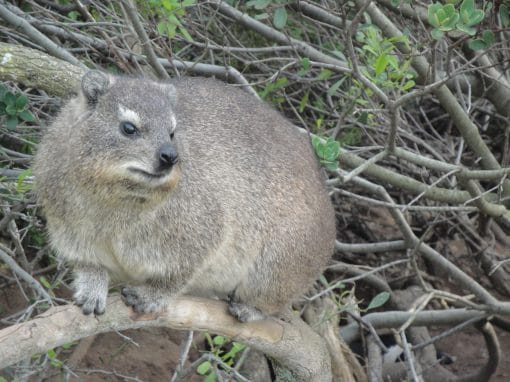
{"x":151,"y":355}
{"x":470,"y":353}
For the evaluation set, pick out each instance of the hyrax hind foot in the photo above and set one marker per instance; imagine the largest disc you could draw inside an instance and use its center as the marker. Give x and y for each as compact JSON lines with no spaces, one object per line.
{"x":243,"y":312}
{"x":145,"y":299}
{"x":91,"y":288}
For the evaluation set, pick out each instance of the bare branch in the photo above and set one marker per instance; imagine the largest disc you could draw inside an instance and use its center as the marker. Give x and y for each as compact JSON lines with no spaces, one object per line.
{"x":144,"y":39}
{"x":290,"y":343}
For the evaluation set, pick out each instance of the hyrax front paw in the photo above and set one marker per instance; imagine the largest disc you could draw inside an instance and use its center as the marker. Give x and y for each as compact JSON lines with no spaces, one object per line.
{"x":91,"y":289}
{"x":144,"y":299}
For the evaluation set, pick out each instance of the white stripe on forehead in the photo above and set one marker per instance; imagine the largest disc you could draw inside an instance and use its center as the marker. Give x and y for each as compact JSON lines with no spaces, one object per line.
{"x":126,"y":114}
{"x":173,"y":121}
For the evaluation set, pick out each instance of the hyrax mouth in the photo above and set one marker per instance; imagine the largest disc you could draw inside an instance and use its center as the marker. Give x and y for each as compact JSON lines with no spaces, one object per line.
{"x":158,"y":174}
{"x":165,"y":178}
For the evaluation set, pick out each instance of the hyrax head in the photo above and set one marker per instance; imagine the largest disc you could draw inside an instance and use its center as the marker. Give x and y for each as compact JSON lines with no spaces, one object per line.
{"x":126,"y":136}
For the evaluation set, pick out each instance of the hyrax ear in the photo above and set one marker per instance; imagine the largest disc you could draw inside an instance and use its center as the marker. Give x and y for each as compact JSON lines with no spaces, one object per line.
{"x":94,"y":84}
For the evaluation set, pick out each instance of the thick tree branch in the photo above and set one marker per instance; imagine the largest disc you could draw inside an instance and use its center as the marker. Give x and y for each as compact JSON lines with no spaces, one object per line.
{"x":290,"y":343}
{"x":33,"y":68}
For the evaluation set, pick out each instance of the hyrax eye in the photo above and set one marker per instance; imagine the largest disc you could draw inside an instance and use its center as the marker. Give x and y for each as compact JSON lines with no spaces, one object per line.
{"x":128,"y":129}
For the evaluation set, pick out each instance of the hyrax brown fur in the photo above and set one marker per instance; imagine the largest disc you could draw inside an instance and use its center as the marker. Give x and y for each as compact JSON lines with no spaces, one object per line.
{"x":187,"y":187}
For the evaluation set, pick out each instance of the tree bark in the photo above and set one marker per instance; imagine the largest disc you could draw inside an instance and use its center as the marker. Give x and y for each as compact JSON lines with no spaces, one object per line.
{"x":35,"y":69}
{"x":294,"y":345}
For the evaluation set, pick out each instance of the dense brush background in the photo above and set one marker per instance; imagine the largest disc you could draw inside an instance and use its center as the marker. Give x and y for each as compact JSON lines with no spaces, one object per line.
{"x":407,"y":105}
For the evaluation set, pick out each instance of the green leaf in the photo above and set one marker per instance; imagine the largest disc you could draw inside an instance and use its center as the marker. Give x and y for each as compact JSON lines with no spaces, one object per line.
{"x":21,"y":102}
{"x":395,"y":3}
{"x":172,"y":19}
{"x":443,"y":17}
{"x":22,"y":187}
{"x":9,"y":99}
{"x":211,"y":377}
{"x":379,"y":300}
{"x":432,"y":14}
{"x":258,"y":4}
{"x":436,"y":34}
{"x":273,"y":86}
{"x":280,"y":18}
{"x":380,"y":64}
{"x":488,"y":37}
{"x":168,"y":5}
{"x":185,"y":33}
{"x":469,"y":14}
{"x":304,"y":101}
{"x":238,"y":346}
{"x":171,"y":30}
{"x":305,"y":63}
{"x":467,"y":6}
{"x":161,"y":27}
{"x":334,"y":88}
{"x":477,"y":44}
{"x":324,"y":74}
{"x":219,"y":340}
{"x":203,"y":367}
{"x":27,"y":116}
{"x":261,"y":16}
{"x":51,"y":354}
{"x":476,"y":17}
{"x":451,"y":17}
{"x":12,"y":122}
{"x":408,"y":85}
{"x":11,"y":110}
{"x":393,"y":62}
{"x":73,"y":15}
{"x":326,"y":149}
{"x":305,"y":67}
{"x":466,"y":29}
{"x":504,"y":17}
{"x":316,"y":141}
{"x":331,"y":166}
{"x":43,"y":280}
{"x":56,"y":363}
{"x":68,"y":345}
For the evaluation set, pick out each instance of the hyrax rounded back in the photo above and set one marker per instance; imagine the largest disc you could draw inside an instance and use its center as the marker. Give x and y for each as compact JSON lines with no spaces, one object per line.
{"x":187,"y":187}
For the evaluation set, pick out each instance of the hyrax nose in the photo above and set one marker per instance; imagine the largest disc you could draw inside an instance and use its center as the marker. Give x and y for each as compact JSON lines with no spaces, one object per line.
{"x":168,"y":155}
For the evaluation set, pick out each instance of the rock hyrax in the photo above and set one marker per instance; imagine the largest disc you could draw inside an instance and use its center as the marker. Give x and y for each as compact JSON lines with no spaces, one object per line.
{"x":191,"y":186}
